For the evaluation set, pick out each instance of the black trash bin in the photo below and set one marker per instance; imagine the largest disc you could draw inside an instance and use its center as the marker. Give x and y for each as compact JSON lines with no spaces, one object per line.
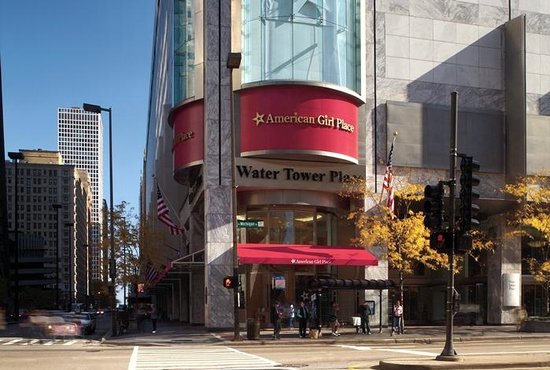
{"x":252,"y":329}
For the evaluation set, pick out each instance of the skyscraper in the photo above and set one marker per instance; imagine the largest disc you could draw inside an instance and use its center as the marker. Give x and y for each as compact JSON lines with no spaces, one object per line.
{"x":80,"y":141}
{"x":45,"y":233}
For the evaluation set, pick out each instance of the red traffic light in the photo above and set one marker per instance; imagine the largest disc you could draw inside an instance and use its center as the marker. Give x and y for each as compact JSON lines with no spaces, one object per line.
{"x":229,"y":282}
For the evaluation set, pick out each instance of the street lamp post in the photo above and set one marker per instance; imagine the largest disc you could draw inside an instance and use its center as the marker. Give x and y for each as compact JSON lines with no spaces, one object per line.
{"x":57,"y":207}
{"x":234,"y":62}
{"x":449,"y":352}
{"x":16,"y":156}
{"x":70,"y":303}
{"x":112,"y":271}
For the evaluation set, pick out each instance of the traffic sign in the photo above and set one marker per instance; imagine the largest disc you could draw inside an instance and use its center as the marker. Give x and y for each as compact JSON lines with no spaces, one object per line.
{"x":250,"y":223}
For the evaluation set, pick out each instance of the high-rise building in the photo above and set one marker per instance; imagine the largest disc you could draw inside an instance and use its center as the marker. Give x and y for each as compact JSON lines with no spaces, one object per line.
{"x":80,"y":142}
{"x":312,"y":93}
{"x":47,"y":233}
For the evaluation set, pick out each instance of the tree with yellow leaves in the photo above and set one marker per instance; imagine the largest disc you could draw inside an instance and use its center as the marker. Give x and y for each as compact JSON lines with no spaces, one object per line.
{"x":404,"y":236}
{"x":531,"y":219}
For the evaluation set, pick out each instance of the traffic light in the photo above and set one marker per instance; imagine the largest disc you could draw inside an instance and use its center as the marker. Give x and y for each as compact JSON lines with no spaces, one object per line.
{"x":230,"y":282}
{"x":433,"y":206}
{"x":441,"y":241}
{"x":468,"y":210}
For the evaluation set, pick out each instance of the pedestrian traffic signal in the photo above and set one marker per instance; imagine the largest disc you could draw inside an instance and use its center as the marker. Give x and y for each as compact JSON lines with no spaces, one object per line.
{"x":441,"y":241}
{"x":468,"y":210}
{"x":433,"y":206}
{"x":230,"y":282}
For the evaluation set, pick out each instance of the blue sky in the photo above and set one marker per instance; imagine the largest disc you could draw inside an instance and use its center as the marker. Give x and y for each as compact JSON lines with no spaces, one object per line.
{"x":62,"y":53}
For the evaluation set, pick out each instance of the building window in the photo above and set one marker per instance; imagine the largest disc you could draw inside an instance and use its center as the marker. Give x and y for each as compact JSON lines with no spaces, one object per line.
{"x":184,"y":50}
{"x":302,"y":41}
{"x":292,"y":226}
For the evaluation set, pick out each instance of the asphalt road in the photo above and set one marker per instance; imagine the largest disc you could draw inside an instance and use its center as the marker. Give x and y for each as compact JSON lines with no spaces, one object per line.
{"x":85,"y":354}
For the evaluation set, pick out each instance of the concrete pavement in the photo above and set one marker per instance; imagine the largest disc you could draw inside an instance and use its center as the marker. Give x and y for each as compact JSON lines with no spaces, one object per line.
{"x":170,"y":333}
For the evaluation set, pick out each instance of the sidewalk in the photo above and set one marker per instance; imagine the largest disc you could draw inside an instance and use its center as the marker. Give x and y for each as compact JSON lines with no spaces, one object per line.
{"x":169,"y":333}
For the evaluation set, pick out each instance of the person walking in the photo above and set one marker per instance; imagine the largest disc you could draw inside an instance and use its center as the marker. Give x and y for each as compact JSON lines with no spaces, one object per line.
{"x":154,"y":316}
{"x":397,"y":312}
{"x":276,"y":316}
{"x":141,"y":315}
{"x":333,"y":318}
{"x":302,"y":314}
{"x":365,"y":311}
{"x":291,"y":314}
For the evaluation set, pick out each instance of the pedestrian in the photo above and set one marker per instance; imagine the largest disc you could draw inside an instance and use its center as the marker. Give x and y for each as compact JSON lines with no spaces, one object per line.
{"x":314,"y":319}
{"x":365,"y":311}
{"x":333,"y":318}
{"x":397,"y":312}
{"x":291,"y":315}
{"x":522,"y":317}
{"x":153,"y":313}
{"x":302,"y":314}
{"x":276,"y":316}
{"x":141,"y":315}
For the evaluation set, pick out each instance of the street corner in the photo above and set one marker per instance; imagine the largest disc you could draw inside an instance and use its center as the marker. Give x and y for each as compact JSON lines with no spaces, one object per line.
{"x":470,"y":362}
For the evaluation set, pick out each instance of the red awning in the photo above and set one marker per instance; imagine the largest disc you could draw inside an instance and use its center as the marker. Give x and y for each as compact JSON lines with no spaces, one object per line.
{"x":299,"y":254}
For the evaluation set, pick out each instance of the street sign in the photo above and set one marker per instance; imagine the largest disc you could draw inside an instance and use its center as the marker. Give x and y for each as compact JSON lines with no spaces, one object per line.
{"x":250,"y":223}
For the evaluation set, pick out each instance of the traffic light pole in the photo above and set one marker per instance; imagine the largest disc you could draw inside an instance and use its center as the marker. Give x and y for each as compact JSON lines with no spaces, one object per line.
{"x":449,"y":353}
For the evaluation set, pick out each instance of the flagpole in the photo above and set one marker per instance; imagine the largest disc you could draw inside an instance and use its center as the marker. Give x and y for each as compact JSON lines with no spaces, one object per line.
{"x":389,"y":157}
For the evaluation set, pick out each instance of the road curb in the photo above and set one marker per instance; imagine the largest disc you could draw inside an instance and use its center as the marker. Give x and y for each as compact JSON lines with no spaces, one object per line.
{"x":469,"y":362}
{"x":121,"y":341}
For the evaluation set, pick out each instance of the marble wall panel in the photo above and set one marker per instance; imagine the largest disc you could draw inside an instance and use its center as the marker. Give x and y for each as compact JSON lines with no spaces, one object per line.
{"x":490,"y":58}
{"x":421,"y":70}
{"x":393,"y":6}
{"x":397,"y":25}
{"x":397,"y":68}
{"x":465,"y":13}
{"x":421,"y":28}
{"x":492,"y":16}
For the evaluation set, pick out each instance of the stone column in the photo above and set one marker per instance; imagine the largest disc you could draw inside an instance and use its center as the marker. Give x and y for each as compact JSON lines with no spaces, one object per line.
{"x":217,"y":165}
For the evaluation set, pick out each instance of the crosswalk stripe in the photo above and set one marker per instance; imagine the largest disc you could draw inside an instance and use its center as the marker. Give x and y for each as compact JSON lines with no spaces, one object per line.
{"x":395,"y":350}
{"x":13,"y":341}
{"x":409,"y":352}
{"x":196,"y":358}
{"x":46,"y":342}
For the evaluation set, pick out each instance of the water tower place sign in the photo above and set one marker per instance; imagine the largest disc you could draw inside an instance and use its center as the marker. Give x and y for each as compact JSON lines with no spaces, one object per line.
{"x":294,"y":174}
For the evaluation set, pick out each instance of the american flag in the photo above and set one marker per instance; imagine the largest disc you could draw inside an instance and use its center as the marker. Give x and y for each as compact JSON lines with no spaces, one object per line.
{"x":164,"y":271}
{"x":163,"y":214}
{"x":150,"y":274}
{"x":388,"y":181}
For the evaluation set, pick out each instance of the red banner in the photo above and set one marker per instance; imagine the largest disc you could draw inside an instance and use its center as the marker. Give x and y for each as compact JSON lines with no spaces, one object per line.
{"x":188,"y":142}
{"x":298,"y":119}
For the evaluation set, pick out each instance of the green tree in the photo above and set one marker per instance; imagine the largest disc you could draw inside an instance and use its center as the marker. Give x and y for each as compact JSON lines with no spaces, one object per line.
{"x":531,"y":220}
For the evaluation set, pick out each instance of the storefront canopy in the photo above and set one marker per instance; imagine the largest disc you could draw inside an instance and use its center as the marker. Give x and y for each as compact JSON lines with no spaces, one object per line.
{"x":299,"y":254}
